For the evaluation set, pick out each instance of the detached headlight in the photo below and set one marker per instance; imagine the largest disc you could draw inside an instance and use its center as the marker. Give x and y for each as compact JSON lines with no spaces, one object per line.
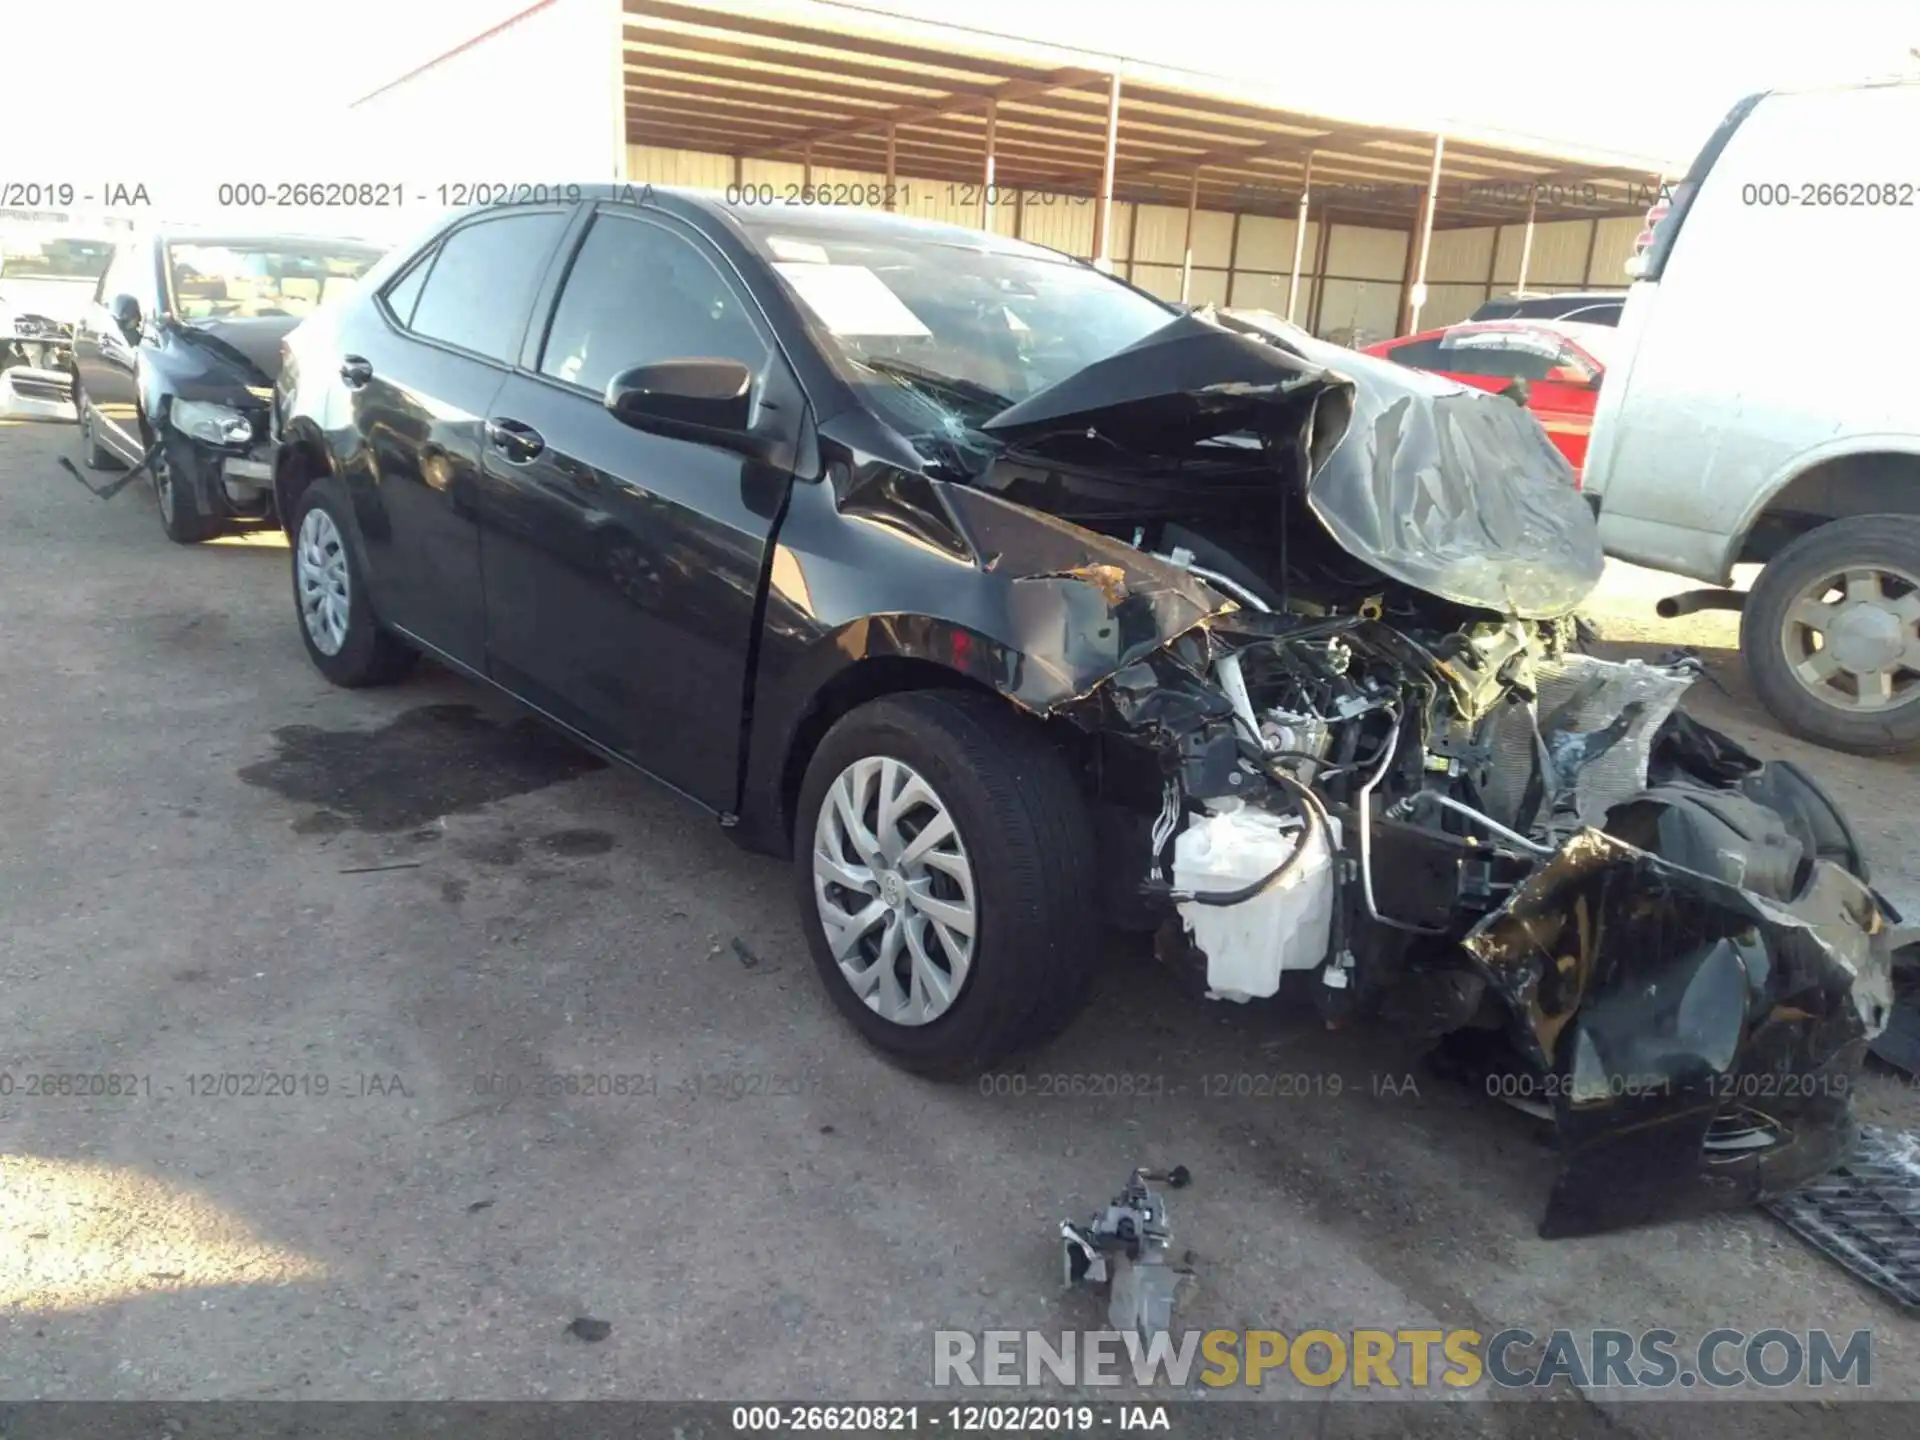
{"x":213,"y":424}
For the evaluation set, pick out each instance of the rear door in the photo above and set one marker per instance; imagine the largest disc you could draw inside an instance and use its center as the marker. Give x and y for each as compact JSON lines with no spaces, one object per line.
{"x":421,"y":370}
{"x":623,"y":567}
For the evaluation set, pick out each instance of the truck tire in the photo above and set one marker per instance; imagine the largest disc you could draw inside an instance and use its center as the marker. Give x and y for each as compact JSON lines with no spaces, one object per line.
{"x":947,"y":954}
{"x":1831,"y":632}
{"x":344,"y":638}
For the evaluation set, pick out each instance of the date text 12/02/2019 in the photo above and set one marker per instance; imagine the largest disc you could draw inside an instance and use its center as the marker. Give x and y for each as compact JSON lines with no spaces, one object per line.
{"x":1035,"y":1419}
{"x":204,"y":1085}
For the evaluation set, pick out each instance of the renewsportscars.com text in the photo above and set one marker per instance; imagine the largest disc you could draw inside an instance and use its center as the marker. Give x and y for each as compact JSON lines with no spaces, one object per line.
{"x":1513,"y":1359}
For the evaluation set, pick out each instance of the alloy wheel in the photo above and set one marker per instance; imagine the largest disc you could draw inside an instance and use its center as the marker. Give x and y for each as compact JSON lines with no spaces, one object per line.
{"x":320,"y":567}
{"x":1852,"y":639}
{"x":894,"y":888}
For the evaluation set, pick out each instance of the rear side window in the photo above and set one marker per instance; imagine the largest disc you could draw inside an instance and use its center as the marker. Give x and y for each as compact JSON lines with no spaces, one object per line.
{"x":637,"y":293}
{"x":480,"y":286}
{"x":404,"y":293}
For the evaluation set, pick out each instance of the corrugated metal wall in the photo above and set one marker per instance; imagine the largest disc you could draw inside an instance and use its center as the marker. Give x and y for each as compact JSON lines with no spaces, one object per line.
{"x":1248,"y":264}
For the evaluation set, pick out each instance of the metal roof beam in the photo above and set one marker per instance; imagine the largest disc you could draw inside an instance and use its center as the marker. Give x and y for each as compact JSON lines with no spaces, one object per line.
{"x":955,"y":105}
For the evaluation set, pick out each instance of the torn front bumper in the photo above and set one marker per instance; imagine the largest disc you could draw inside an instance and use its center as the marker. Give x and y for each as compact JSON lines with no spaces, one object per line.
{"x":1698,"y":1043}
{"x":27,"y":393}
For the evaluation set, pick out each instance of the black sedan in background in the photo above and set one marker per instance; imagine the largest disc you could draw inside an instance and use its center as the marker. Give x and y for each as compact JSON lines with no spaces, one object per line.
{"x":1010,"y":600}
{"x":176,"y":356}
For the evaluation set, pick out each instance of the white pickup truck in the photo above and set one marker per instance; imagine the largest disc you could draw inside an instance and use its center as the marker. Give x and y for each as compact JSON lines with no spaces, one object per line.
{"x":47,"y":279}
{"x":1764,"y":409}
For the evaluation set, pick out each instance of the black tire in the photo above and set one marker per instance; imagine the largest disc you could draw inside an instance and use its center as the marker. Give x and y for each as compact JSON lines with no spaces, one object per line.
{"x":369,"y":654}
{"x":176,"y":498}
{"x":96,"y":455}
{"x":1866,"y":542}
{"x":1024,"y":824}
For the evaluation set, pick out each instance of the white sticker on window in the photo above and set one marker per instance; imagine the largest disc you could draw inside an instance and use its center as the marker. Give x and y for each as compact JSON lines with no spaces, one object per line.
{"x":804,"y":251}
{"x":851,"y":300}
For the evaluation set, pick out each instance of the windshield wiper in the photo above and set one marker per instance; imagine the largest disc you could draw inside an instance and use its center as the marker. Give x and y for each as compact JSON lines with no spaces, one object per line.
{"x":965,"y":390}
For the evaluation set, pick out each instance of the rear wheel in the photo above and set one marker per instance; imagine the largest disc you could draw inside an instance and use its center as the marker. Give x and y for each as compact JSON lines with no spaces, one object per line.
{"x":944,"y":865}
{"x":343,"y":638}
{"x":1831,"y":632}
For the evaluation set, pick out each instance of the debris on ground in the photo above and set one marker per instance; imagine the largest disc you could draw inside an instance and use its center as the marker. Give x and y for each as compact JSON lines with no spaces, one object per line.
{"x":1124,"y":1248}
{"x":1865,"y":1216}
{"x":744,"y":954}
{"x":590,"y":1330}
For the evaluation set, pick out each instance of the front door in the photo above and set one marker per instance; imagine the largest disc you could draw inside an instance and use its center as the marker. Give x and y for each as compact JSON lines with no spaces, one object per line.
{"x":621,"y":566}
{"x":104,"y":357}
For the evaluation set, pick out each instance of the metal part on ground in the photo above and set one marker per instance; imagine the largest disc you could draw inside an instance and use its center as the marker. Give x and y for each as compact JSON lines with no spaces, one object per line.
{"x":1865,"y":1216}
{"x":1124,"y":1248}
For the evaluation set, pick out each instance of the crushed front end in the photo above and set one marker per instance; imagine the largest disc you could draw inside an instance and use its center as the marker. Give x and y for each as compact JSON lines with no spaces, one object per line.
{"x":1387,"y":762}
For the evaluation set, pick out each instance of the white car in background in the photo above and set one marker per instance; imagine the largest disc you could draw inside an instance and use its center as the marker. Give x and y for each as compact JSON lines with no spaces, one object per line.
{"x":1763,"y":406}
{"x":46,"y":280}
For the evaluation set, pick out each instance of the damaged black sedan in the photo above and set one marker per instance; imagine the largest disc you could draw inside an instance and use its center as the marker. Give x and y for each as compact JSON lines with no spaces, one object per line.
{"x":1011,"y":601}
{"x":175,"y":356}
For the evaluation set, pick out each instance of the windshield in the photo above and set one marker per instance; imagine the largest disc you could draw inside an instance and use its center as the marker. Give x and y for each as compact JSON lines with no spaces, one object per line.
{"x":235,"y":280}
{"x":57,"y":259}
{"x":941,"y":335}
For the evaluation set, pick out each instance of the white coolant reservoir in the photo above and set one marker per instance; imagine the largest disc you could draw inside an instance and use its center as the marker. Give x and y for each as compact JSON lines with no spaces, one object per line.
{"x":1285,"y":927}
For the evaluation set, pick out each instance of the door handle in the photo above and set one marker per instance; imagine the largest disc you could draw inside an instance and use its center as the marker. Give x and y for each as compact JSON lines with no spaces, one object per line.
{"x":518,"y":441}
{"x":356,"y":371}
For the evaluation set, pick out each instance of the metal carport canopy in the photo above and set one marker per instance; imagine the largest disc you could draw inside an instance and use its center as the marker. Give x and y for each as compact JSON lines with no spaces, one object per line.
{"x":760,"y":86}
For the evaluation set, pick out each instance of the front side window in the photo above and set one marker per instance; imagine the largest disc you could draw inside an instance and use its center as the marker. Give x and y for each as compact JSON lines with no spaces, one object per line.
{"x":129,"y":273}
{"x":481,"y":285}
{"x":637,"y":294}
{"x":255,"y":280}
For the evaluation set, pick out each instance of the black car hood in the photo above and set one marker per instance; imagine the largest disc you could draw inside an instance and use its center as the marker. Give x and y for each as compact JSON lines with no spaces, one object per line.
{"x":230,"y":352}
{"x":1447,"y":488}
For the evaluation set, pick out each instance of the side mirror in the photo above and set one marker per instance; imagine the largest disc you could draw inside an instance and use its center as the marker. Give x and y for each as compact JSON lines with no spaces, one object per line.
{"x":694,"y":399}
{"x":125,"y":311}
{"x":1598,"y":376}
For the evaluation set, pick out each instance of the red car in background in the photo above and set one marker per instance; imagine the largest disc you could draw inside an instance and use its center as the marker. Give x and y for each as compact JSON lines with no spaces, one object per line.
{"x":1553,"y":367}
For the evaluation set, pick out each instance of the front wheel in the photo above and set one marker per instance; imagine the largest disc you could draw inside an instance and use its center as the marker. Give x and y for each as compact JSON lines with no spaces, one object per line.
{"x":343,"y":638}
{"x":1831,"y":632}
{"x":173,"y":490}
{"x":944,"y":864}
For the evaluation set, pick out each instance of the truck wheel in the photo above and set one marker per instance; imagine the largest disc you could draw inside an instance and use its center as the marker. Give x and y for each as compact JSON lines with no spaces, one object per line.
{"x":1831,"y":632}
{"x":97,"y":456}
{"x":343,"y":638}
{"x":945,"y":870}
{"x":179,"y":503}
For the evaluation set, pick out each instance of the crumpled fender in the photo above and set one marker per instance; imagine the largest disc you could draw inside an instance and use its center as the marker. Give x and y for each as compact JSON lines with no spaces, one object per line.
{"x":1034,"y":607}
{"x":1659,"y":1000}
